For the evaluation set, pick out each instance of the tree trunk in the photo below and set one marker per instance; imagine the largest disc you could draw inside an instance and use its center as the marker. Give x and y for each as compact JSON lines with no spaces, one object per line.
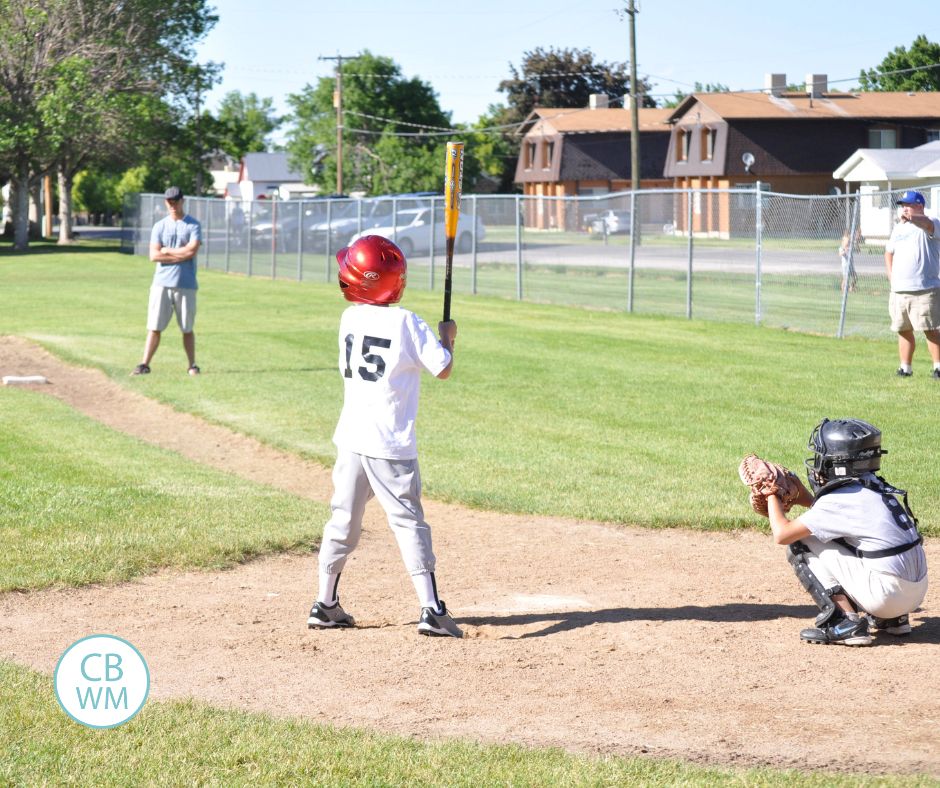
{"x":66,"y":236}
{"x":20,"y":205}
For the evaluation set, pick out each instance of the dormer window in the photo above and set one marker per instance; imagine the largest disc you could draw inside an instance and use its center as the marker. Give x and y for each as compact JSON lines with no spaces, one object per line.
{"x":708,"y":144}
{"x":682,"y":145}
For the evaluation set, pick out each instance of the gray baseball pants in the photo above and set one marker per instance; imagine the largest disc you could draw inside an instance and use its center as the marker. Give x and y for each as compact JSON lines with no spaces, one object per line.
{"x":397,"y":486}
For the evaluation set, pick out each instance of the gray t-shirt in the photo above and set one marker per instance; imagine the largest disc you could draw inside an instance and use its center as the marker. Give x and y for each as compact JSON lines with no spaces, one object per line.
{"x":862,"y":517}
{"x":916,"y":264}
{"x":176,"y":234}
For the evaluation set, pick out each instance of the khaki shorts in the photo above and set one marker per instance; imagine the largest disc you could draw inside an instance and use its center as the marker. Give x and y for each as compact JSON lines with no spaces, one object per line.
{"x":917,"y":311}
{"x":164,"y":301}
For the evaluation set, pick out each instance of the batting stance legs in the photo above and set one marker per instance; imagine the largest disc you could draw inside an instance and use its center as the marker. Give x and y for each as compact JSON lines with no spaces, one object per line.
{"x":397,"y":486}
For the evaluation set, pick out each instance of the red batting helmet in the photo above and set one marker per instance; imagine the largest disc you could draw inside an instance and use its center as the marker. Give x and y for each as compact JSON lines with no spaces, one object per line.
{"x":372,"y":270}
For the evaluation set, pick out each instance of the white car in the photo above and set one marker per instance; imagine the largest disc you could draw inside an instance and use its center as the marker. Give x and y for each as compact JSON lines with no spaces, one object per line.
{"x":412,"y":231}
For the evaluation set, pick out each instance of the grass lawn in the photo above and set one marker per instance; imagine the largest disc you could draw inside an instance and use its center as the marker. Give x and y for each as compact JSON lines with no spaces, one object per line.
{"x":554,"y":410}
{"x":186,"y":743}
{"x":614,"y":417}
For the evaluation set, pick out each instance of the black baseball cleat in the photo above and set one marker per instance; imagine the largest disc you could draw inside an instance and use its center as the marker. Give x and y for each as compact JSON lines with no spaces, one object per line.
{"x":902,"y":374}
{"x":323,"y":616}
{"x":438,"y":623}
{"x":935,"y":374}
{"x":841,"y":630}
{"x":898,"y":627}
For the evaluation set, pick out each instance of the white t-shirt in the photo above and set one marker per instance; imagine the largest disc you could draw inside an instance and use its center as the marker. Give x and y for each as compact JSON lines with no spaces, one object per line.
{"x":916,"y":264}
{"x":860,"y":516}
{"x":382,"y":350}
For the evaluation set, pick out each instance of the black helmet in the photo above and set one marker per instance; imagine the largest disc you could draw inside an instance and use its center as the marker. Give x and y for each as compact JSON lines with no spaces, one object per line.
{"x":843,"y":449}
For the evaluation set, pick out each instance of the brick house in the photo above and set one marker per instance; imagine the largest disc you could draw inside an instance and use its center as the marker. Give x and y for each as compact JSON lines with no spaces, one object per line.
{"x":585,"y":152}
{"x":789,"y":142}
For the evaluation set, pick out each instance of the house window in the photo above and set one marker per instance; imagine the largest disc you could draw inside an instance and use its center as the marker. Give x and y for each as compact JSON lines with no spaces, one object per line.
{"x":529,"y":155}
{"x":882,"y":138}
{"x":708,"y":144}
{"x":549,"y":153}
{"x":682,"y":145}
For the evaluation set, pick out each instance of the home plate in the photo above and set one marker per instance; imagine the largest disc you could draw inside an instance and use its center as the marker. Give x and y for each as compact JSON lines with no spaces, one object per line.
{"x":23,"y":380}
{"x":534,"y":603}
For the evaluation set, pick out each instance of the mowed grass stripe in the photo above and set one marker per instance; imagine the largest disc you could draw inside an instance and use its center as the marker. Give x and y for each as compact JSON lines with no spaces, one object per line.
{"x":80,"y":503}
{"x":551,"y":410}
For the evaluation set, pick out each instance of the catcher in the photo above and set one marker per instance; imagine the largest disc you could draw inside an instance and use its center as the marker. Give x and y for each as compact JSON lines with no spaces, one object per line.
{"x":856,"y":550}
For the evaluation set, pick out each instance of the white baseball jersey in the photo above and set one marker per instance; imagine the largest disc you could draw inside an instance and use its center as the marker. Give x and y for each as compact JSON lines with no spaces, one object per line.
{"x":863,"y":519}
{"x":382,"y":350}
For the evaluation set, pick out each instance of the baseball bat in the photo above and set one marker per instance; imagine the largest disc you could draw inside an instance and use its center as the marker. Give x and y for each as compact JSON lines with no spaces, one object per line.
{"x":453,"y":183}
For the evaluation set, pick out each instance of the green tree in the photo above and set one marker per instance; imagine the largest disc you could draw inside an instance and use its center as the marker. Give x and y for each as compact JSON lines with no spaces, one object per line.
{"x":380,"y":106}
{"x":493,"y":149}
{"x":561,"y":78}
{"x":914,"y":69}
{"x":72,"y":76}
{"x":245,"y":124}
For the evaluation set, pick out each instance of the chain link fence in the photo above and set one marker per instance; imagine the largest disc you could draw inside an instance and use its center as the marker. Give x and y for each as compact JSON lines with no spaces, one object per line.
{"x":745,"y":255}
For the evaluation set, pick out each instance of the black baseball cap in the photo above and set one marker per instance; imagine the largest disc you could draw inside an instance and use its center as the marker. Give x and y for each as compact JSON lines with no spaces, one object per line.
{"x":173,"y":194}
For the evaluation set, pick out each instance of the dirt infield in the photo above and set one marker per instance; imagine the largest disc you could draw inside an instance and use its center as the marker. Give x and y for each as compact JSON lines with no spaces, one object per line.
{"x":589,"y":637}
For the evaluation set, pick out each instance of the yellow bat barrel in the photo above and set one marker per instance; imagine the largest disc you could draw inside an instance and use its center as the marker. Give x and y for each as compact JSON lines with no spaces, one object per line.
{"x":453,"y":183}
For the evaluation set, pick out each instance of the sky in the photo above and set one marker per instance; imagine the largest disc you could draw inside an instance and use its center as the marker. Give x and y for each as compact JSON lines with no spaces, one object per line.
{"x":463,"y":50}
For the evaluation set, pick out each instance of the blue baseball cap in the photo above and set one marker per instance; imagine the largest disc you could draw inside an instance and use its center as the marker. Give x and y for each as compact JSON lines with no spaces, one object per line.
{"x":911,"y":198}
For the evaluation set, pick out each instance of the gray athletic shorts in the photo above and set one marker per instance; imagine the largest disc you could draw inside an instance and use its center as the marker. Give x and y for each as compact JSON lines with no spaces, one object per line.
{"x":164,"y":301}
{"x":916,"y":311}
{"x":397,"y":486}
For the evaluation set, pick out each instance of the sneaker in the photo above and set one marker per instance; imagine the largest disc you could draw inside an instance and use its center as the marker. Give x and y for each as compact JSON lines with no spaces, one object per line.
{"x":902,"y":374}
{"x":893,"y":626}
{"x":332,"y":616}
{"x":141,"y":369}
{"x":935,"y":374}
{"x":194,"y":370}
{"x":843,"y":630}
{"x":438,"y":624}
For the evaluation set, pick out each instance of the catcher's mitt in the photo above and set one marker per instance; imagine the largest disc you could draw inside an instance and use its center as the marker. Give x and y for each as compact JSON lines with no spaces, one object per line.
{"x":767,"y":478}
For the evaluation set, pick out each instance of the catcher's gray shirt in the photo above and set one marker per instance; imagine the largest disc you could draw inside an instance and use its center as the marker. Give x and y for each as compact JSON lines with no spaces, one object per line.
{"x":862,"y":518}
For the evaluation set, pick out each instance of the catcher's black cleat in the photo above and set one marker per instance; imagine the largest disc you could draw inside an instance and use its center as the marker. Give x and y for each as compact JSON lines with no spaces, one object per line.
{"x":438,"y":624}
{"x":935,"y":374}
{"x":902,"y":374}
{"x":898,"y":627}
{"x":839,"y":630}
{"x":322,"y":617}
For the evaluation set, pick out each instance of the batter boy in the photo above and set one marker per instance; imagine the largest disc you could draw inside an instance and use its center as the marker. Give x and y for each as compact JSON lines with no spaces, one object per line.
{"x":382,"y":351}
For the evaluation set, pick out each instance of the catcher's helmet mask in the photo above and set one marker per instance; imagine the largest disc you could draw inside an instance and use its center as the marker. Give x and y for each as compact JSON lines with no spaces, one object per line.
{"x":372,"y":270}
{"x":843,"y":449}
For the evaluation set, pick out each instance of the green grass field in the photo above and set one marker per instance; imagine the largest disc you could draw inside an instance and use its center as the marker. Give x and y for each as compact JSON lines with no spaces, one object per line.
{"x":592,"y":414}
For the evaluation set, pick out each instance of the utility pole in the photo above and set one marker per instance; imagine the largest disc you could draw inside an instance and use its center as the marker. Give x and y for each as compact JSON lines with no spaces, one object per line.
{"x":634,"y":108}
{"x":338,"y":103}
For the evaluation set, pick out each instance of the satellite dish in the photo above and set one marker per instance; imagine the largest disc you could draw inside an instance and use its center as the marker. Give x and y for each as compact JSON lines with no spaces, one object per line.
{"x":748,"y":159}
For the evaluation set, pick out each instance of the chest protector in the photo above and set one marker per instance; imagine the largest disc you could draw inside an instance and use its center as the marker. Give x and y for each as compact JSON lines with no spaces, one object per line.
{"x":900,"y":511}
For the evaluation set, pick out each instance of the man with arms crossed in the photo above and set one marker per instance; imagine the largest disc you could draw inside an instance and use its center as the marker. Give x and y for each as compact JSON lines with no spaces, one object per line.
{"x":174,"y":241}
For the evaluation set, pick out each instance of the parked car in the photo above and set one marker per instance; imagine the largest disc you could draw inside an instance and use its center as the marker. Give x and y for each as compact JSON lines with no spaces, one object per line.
{"x":611,"y":222}
{"x":412,"y":231}
{"x":374,"y":212}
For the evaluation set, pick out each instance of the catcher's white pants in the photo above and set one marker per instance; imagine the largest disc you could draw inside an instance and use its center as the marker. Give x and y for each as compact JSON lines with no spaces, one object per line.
{"x":881,"y":594}
{"x":397,"y":486}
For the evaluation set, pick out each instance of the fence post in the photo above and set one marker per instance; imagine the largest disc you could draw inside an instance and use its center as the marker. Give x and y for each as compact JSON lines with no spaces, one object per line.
{"x":228,"y":233}
{"x":518,"y":247}
{"x":473,"y":257}
{"x":758,"y":232}
{"x":251,"y":221}
{"x":847,"y":278}
{"x":632,"y":267}
{"x":688,"y":275}
{"x":208,"y":232}
{"x":329,"y":223}
{"x":300,"y":240}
